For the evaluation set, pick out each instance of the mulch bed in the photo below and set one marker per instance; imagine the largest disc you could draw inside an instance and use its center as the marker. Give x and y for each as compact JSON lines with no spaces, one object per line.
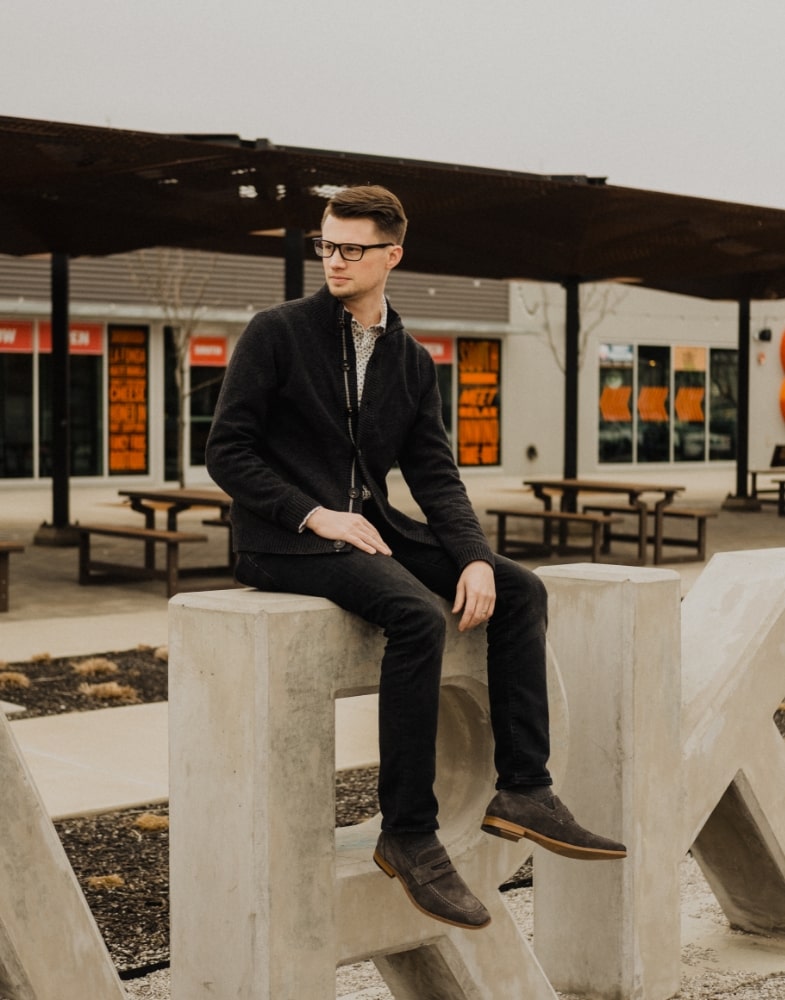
{"x":121,"y":859}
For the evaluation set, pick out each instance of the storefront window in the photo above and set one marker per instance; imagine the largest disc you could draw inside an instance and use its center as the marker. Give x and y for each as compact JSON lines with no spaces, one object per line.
{"x":686,"y":425}
{"x":689,"y":394}
{"x":616,"y":389}
{"x":16,"y":399}
{"x":723,"y":404}
{"x":442,"y":351}
{"x":85,"y":363}
{"x":207,"y":357}
{"x":652,"y":404}
{"x":16,"y":415}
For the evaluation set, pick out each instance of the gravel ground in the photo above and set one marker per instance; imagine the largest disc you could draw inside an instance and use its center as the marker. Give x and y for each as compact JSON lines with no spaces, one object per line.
{"x":121,"y":858}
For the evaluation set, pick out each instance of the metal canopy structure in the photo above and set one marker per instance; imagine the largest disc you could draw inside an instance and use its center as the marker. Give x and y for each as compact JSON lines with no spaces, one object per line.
{"x":82,"y":190}
{"x":76,"y":190}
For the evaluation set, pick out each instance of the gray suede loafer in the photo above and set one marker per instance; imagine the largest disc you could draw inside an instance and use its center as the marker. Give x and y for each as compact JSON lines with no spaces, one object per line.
{"x":543,"y":818}
{"x":423,"y":867}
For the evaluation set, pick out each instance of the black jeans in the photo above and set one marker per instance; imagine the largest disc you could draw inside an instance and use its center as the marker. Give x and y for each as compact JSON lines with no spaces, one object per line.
{"x":397,"y":594}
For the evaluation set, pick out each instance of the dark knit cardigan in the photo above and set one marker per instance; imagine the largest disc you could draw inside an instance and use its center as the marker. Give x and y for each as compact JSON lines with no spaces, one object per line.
{"x":280,"y":443}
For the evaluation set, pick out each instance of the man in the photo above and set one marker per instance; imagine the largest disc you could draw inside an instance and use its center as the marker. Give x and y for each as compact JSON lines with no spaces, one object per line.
{"x":321,"y":398}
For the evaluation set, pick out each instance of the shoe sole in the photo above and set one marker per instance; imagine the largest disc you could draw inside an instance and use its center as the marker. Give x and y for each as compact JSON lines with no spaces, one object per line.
{"x":512,"y":831}
{"x":390,"y":872}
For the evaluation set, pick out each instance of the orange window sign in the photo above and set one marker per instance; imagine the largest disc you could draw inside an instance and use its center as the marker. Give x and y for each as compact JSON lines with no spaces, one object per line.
{"x":651,"y":404}
{"x":688,"y":404}
{"x":128,"y":387}
{"x":83,"y":338}
{"x":615,"y":403}
{"x":439,"y":348}
{"x":208,"y":352}
{"x":16,"y":336}
{"x":479,"y":423}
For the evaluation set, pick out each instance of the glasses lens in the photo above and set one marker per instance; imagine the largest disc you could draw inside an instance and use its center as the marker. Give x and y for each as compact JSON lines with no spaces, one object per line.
{"x":323,"y":248}
{"x":352,"y":251}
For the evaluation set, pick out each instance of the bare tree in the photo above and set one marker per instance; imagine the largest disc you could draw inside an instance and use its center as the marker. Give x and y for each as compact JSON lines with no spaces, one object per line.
{"x":597,"y":302}
{"x":177,"y":282}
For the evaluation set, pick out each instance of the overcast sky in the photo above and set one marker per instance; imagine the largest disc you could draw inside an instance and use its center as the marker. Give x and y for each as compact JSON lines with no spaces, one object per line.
{"x":683,"y":96}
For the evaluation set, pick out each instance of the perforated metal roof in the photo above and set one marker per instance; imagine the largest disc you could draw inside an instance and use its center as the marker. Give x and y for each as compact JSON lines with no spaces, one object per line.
{"x":85,"y":190}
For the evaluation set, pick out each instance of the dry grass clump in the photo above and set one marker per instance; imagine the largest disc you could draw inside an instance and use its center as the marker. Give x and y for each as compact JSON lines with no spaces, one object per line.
{"x":110,"y":691}
{"x":162,"y":653}
{"x":151,"y":821}
{"x":12,"y":678}
{"x":93,"y":666}
{"x":40,"y":657}
{"x":105,"y":881}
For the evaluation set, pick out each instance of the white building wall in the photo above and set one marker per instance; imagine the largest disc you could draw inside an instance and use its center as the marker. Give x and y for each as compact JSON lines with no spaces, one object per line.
{"x":533,"y":401}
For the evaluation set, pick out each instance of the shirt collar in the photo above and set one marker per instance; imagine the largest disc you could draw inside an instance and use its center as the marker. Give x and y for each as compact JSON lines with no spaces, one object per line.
{"x":377,"y":328}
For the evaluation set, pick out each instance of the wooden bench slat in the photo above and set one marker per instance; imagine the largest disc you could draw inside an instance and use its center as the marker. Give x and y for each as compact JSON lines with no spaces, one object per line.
{"x":146,"y":534}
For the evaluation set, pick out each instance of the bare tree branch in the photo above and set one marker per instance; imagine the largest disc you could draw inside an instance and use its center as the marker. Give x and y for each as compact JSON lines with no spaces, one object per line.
{"x":177,"y":283}
{"x":596,"y":303}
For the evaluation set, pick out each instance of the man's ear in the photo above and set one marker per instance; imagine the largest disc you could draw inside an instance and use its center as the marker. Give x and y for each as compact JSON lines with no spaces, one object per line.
{"x":394,"y":256}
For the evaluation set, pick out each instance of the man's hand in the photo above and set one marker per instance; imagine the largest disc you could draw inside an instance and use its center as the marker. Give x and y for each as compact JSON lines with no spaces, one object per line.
{"x":475,"y":595}
{"x":346,"y":527}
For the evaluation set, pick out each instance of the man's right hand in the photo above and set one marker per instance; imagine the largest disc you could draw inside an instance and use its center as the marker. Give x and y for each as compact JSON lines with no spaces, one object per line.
{"x":346,"y":527}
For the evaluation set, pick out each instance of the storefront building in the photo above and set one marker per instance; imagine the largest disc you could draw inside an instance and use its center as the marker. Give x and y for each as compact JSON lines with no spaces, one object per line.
{"x":657,"y":385}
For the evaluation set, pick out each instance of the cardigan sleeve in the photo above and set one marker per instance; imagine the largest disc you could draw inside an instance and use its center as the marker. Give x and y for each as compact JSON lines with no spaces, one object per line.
{"x":235,"y":454}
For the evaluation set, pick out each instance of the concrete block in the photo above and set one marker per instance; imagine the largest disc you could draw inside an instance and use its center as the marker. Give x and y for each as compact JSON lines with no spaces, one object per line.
{"x":734,"y":758}
{"x":50,"y":946}
{"x":611,"y":929}
{"x":267,"y":897}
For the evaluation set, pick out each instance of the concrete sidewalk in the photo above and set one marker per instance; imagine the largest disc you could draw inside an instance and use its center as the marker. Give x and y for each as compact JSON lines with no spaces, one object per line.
{"x":113,"y":758}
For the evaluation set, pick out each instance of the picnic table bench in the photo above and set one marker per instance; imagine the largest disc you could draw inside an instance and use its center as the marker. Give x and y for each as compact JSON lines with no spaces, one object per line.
{"x":507,"y":546}
{"x":6,"y":548}
{"x":697,"y":542}
{"x":150,"y":537}
{"x":181,"y":500}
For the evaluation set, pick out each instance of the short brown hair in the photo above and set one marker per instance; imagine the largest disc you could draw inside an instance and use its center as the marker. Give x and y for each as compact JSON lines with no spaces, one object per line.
{"x":370,"y":201}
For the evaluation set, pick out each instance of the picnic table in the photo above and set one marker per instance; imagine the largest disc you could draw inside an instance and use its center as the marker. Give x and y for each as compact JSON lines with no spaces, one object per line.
{"x":148,"y":503}
{"x":644,"y":500}
{"x":175,"y":501}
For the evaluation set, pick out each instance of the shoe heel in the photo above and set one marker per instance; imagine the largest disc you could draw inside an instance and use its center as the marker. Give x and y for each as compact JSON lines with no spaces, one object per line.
{"x":499,"y":828}
{"x":381,"y":863}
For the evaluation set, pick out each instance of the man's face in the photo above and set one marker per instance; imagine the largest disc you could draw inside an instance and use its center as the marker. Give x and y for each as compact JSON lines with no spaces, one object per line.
{"x":357,"y":280}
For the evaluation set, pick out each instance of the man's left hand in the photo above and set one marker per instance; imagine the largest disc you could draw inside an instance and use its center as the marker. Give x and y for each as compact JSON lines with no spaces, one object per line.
{"x":475,"y":595}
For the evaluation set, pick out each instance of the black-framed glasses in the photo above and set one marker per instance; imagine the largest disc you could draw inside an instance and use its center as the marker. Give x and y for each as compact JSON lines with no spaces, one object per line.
{"x":349,"y":251}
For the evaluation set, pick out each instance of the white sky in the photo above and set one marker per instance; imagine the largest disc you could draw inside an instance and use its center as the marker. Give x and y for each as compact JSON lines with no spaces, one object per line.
{"x":672,"y":95}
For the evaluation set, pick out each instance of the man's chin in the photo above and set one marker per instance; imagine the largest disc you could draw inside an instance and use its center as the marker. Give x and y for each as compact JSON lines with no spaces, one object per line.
{"x":340,"y":289}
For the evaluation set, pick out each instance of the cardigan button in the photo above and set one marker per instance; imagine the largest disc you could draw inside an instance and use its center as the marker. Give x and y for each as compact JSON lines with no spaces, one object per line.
{"x":339,"y":544}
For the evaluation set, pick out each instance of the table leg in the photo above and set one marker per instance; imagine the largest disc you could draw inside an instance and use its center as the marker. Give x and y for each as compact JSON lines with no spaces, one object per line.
{"x":659,"y":526}
{"x":781,"y":498}
{"x":569,"y":503}
{"x":4,"y":569}
{"x":149,"y":522}
{"x":643,"y":530}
